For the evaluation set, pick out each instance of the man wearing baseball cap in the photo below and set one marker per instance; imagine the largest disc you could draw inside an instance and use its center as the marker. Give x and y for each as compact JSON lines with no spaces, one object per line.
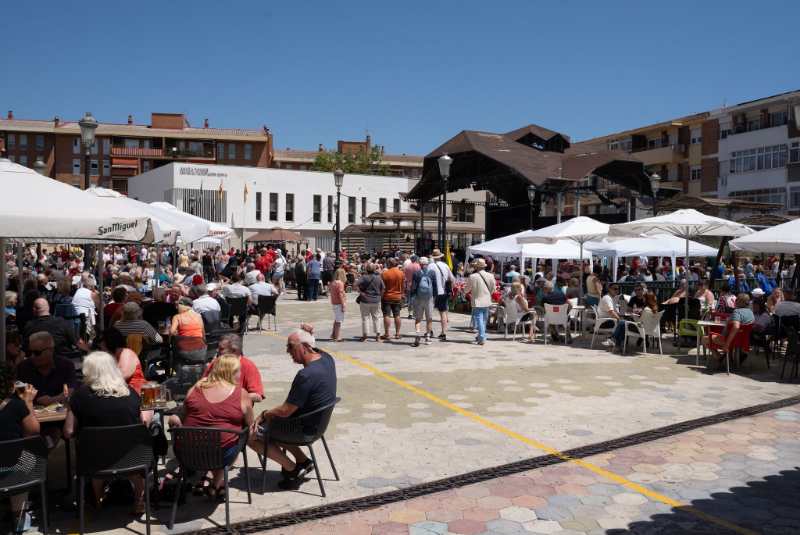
{"x":480,"y":286}
{"x":442,"y":297}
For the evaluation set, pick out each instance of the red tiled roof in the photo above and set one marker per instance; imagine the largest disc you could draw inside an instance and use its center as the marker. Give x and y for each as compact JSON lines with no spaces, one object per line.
{"x":34,"y":125}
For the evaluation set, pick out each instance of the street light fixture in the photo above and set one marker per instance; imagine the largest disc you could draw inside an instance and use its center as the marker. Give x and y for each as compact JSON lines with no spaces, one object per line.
{"x":655,"y":184}
{"x":531,"y":197}
{"x":39,"y":166}
{"x":444,"y":170}
{"x":338,"y":180}
{"x":88,"y":126}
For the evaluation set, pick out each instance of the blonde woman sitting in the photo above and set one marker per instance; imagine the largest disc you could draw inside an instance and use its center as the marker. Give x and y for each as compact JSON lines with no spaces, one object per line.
{"x":187,"y":322}
{"x":528,"y":313}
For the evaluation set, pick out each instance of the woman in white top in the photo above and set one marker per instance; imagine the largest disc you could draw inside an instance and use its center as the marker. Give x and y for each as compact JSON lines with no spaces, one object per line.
{"x":705,"y":295}
{"x":86,"y":300}
{"x":277,"y":274}
{"x":515,"y":294}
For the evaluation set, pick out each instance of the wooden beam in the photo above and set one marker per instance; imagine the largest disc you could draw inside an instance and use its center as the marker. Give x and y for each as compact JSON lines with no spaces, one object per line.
{"x":722,"y":245}
{"x":736,"y":284}
{"x":780,"y":270}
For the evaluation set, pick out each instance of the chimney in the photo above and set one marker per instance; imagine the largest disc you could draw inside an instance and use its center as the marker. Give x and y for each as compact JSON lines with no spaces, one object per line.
{"x":266,"y":129}
{"x":369,"y":143}
{"x":320,"y":147}
{"x":206,"y":123}
{"x":10,"y":114}
{"x":56,"y":121}
{"x":130,"y":120}
{"x":383,"y":150}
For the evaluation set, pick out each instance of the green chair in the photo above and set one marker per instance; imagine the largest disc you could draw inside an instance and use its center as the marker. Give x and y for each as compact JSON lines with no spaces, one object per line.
{"x":686,"y":327}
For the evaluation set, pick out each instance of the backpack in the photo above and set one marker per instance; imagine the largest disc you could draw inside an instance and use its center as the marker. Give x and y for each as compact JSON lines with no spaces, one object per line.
{"x":425,"y":287}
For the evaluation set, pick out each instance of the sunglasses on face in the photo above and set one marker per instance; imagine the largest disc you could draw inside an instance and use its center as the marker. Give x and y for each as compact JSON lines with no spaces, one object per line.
{"x":291,"y":346}
{"x":38,"y":352}
{"x":615,"y":289}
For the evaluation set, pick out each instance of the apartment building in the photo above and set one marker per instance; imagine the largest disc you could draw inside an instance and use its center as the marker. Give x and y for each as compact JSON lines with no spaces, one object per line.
{"x":401,"y":165}
{"x":122,"y":151}
{"x":755,"y":153}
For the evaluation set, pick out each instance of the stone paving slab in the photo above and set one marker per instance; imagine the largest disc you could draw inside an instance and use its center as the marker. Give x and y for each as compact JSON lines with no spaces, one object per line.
{"x":385,"y":436}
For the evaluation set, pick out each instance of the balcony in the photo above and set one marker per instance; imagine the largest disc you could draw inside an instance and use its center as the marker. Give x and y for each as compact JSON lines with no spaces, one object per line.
{"x":669,"y":154}
{"x":173,"y":152}
{"x":757,"y":137}
{"x":148,"y":153}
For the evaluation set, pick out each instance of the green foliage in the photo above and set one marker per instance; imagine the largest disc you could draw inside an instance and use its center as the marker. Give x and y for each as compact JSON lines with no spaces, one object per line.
{"x":359,"y":163}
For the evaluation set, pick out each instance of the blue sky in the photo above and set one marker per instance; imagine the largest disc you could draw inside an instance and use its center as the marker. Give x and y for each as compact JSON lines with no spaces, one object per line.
{"x":415,"y":72}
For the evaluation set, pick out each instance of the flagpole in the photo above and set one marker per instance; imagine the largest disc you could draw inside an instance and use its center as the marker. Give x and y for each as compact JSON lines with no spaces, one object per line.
{"x":244,"y":218}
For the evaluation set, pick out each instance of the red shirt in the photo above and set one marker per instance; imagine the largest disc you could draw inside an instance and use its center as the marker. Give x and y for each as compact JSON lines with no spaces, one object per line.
{"x":249,"y":376}
{"x":64,"y":256}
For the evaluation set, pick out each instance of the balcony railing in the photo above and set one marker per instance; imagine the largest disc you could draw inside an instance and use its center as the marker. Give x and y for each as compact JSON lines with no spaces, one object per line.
{"x":188,"y":153}
{"x":742,"y":128}
{"x":676,"y":147}
{"x":123,"y":151}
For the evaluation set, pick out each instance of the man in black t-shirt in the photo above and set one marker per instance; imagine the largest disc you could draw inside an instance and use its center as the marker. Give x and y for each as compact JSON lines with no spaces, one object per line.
{"x":65,"y":339}
{"x":313,"y":387}
{"x":637,"y":299}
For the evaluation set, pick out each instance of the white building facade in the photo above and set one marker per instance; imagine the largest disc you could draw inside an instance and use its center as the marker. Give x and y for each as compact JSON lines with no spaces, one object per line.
{"x":300,"y":201}
{"x":759,"y":151}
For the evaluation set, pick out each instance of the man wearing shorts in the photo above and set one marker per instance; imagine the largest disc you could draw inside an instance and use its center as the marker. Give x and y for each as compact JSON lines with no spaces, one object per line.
{"x":442,"y":300}
{"x":423,"y":305}
{"x":313,"y":387}
{"x":714,"y":342}
{"x":394,"y":282}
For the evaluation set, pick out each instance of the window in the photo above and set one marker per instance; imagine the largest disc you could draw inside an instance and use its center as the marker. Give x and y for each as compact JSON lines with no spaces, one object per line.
{"x":672,"y":174}
{"x":317,"y":208}
{"x":290,"y":207}
{"x":106,"y":184}
{"x":39,"y":142}
{"x":626,"y":144}
{"x":182,"y":145}
{"x":744,"y":161}
{"x":753,"y":124}
{"x":76,"y":145}
{"x":221,"y":151}
{"x":94,"y":169}
{"x":258,"y":206}
{"x":791,"y":112}
{"x":248,"y":152}
{"x":414,"y":173}
{"x":76,"y":184}
{"x":76,"y":167}
{"x":131,"y":143}
{"x":196,"y":146}
{"x":396,"y":205}
{"x":106,"y":145}
{"x":794,"y":153}
{"x":613,"y":144}
{"x":94,"y":183}
{"x":694,"y":172}
{"x":776,"y":195}
{"x":23,"y":160}
{"x":405,"y":173}
{"x":145,"y":166}
{"x":12,"y":142}
{"x":23,"y":142}
{"x":351,"y":209}
{"x":330,"y":208}
{"x":464,"y":213}
{"x":106,"y":168}
{"x":288,"y":167}
{"x":273,"y":206}
{"x":231,"y":151}
{"x":696,"y":136}
{"x":11,"y":158}
{"x":654,"y":143}
{"x":777,"y":119}
{"x":302,"y":167}
{"x":794,"y":198}
{"x":363,"y":207}
{"x":724,"y":131}
{"x":94,"y":147}
{"x":382,"y":205}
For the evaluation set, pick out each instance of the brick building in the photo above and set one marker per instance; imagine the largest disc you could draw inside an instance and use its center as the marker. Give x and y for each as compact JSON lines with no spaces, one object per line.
{"x":125,"y":150}
{"x":401,"y":165}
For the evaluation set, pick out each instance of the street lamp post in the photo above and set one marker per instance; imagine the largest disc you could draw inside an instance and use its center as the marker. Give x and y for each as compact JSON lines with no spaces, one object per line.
{"x":655,"y":183}
{"x":444,"y":170}
{"x":39,"y":166}
{"x":338,"y":180}
{"x":88,"y":126}
{"x":531,"y":197}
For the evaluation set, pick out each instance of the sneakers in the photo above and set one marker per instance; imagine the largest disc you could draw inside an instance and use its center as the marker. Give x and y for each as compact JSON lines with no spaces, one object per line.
{"x":617,"y":350}
{"x":427,"y":341}
{"x":569,"y":338}
{"x":416,"y":340}
{"x":308,"y":466}
{"x":554,"y":336}
{"x":443,"y":336}
{"x":22,"y":523}
{"x":410,"y":317}
{"x":481,"y":342}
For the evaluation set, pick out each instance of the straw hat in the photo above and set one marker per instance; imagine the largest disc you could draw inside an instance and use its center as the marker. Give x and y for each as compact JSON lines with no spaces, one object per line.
{"x":480,"y":263}
{"x":436,"y":254}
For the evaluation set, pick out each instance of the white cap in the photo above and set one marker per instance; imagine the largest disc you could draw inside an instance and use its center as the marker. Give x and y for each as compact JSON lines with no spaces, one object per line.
{"x":211,"y":287}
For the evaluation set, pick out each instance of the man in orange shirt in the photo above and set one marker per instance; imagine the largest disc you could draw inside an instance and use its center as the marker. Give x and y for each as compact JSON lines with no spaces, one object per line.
{"x":392,"y":297}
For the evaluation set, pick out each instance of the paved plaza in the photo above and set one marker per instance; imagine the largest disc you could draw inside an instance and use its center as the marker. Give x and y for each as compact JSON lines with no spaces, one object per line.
{"x":412,"y":415}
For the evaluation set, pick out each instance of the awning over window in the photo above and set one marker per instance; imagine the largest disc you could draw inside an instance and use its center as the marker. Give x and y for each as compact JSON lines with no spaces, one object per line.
{"x":125,"y":163}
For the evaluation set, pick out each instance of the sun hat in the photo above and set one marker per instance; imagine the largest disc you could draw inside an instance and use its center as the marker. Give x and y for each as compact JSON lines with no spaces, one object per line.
{"x":480,"y":263}
{"x":436,"y":254}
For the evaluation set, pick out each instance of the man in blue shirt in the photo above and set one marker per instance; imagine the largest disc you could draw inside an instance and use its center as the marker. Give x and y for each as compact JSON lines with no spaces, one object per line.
{"x":741,"y":315}
{"x":314,"y":274}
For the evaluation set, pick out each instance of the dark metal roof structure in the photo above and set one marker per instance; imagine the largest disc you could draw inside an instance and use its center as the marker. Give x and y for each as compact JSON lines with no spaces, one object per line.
{"x":703,"y":204}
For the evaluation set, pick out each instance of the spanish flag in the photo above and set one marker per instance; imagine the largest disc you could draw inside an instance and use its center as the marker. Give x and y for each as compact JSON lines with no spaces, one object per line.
{"x":449,"y":258}
{"x":245,"y":192}
{"x":220,"y":190}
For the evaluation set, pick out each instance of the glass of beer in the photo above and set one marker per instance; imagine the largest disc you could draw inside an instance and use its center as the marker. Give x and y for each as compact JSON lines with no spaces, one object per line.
{"x":148,"y":394}
{"x":19,"y":386}
{"x":161,"y":326}
{"x":160,"y":396}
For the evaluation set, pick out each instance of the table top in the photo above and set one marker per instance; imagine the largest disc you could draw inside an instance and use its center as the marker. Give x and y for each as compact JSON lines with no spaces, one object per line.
{"x":55,"y":416}
{"x":705,"y":323}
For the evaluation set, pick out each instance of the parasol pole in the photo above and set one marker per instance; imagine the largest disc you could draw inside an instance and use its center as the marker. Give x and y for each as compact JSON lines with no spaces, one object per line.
{"x":3,"y":278}
{"x":686,"y":292}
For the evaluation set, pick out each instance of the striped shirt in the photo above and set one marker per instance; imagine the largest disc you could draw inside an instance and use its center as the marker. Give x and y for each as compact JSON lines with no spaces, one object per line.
{"x":138,"y":327}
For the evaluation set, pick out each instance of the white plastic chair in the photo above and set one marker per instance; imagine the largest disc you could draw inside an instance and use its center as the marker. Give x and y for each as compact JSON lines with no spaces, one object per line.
{"x":621,"y":304}
{"x":574,"y":314}
{"x":602,"y":321}
{"x":556,"y":315}
{"x":513,"y":316}
{"x":649,"y":326}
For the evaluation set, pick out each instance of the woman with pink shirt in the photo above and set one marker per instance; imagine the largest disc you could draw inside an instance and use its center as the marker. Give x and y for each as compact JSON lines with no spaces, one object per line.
{"x":338,"y":300}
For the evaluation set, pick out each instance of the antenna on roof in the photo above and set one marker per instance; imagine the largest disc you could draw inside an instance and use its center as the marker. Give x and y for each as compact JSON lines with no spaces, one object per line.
{"x":724,"y":105}
{"x":185,"y":120}
{"x":366,"y":127}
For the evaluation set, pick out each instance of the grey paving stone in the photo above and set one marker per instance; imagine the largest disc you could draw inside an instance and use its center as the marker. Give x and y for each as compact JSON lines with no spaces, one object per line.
{"x":588,"y":511}
{"x":663,"y":414}
{"x":662,"y":390}
{"x":732,"y":465}
{"x":561,"y":500}
{"x":502,"y":525}
{"x":757,"y":515}
{"x":698,"y":484}
{"x":627,"y":372}
{"x":180,"y":528}
{"x":757,"y":501}
{"x":427,"y":527}
{"x":468,"y":442}
{"x":735,"y":457}
{"x":579,"y":432}
{"x":753,"y":387}
{"x":717,"y":388}
{"x":374,"y":482}
{"x":552,"y":513}
{"x":710,"y":404}
{"x":597,"y":501}
{"x":675,"y":396}
{"x":786,"y":418}
{"x":405,"y":481}
{"x":786,"y":511}
{"x":782,"y":521}
{"x":714,"y":396}
{"x":694,"y":494}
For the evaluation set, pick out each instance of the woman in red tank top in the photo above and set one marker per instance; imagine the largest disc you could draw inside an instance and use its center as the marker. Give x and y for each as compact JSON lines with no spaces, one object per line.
{"x":113,"y":341}
{"x":216,"y":401}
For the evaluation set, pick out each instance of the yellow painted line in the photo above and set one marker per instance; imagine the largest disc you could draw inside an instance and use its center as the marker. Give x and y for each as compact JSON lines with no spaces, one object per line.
{"x":619,"y":479}
{"x":76,"y":527}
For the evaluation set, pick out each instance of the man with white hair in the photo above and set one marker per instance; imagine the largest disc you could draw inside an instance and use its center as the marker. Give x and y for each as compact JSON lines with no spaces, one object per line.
{"x":423,"y":291}
{"x":313,"y":388}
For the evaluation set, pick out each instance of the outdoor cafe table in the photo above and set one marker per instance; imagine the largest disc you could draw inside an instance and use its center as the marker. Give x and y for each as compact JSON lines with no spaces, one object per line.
{"x":710,"y":325}
{"x":54,"y":416}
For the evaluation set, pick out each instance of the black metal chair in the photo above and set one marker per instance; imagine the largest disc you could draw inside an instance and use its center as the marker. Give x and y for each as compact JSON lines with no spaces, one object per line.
{"x":200,"y":449}
{"x":187,"y":351}
{"x":238,"y":310}
{"x":216,"y":335}
{"x":113,"y":453}
{"x":23,"y":465}
{"x":267,"y":307}
{"x":76,"y":321}
{"x":290,"y":431}
{"x":792,"y":348}
{"x":179,"y":385}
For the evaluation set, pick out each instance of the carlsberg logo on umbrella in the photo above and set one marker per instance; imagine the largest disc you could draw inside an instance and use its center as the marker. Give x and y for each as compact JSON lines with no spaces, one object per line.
{"x":116,"y":227}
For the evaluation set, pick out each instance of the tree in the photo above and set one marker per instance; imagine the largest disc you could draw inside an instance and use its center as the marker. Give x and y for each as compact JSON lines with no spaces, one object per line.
{"x":358,"y":163}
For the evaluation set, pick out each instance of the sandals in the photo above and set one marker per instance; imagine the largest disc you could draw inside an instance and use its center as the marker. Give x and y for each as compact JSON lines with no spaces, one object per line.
{"x":211,"y":491}
{"x":362,"y":339}
{"x":385,"y":337}
{"x":221,"y":492}
{"x":398,"y":336}
{"x":199,"y":490}
{"x":139,"y":508}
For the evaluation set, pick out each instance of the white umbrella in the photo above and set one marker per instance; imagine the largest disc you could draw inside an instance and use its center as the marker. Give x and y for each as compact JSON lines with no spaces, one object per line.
{"x":580,"y":229}
{"x":686,"y":224}
{"x":171,"y":224}
{"x":500,"y":248}
{"x":216,"y":230}
{"x":784,"y":238}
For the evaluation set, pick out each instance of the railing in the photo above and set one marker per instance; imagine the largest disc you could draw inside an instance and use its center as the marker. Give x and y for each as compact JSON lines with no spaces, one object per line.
{"x":676,"y":147}
{"x":123,"y":151}
{"x":188,"y":153}
{"x":742,"y":128}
